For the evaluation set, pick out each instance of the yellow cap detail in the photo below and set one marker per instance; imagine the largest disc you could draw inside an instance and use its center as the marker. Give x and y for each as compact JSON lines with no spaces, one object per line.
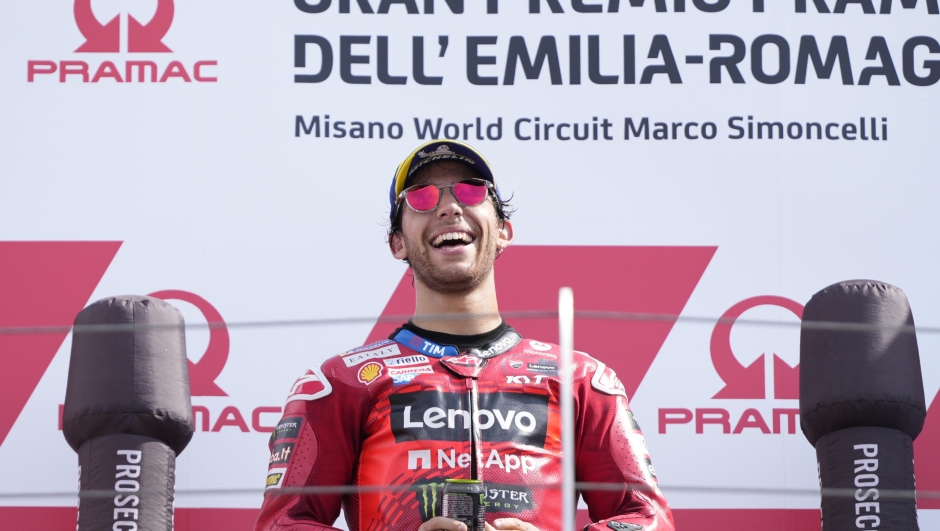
{"x":401,"y":174}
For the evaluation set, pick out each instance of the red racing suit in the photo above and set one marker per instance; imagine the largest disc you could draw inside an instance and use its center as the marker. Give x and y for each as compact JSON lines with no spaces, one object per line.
{"x":405,"y":415}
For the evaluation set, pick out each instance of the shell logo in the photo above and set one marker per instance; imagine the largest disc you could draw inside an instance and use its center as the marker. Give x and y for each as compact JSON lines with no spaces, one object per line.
{"x":369,"y":372}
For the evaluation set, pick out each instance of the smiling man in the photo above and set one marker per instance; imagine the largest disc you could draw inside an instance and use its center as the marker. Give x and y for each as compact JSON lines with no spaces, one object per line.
{"x":455,"y":393}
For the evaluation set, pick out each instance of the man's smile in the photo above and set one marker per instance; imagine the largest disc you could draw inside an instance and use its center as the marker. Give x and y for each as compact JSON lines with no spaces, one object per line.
{"x":452,"y":238}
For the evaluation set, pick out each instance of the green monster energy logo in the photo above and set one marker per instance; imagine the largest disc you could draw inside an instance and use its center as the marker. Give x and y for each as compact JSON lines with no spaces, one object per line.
{"x":429,"y":499}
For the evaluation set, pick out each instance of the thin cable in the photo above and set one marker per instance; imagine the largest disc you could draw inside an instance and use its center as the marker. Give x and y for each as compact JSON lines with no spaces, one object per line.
{"x":580,"y":486}
{"x":531,"y":314}
{"x":566,"y":342}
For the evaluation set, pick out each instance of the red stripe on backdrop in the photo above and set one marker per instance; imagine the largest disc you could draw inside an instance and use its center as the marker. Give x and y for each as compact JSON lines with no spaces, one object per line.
{"x":39,"y":518}
{"x":41,"y":284}
{"x":64,"y":518}
{"x":747,"y":519}
{"x":736,"y":519}
{"x":215,"y":519}
{"x":203,"y":519}
{"x":926,"y":460}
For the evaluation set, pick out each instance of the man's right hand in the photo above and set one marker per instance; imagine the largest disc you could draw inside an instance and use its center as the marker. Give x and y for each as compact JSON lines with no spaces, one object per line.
{"x":439,"y":523}
{"x":511,"y":524}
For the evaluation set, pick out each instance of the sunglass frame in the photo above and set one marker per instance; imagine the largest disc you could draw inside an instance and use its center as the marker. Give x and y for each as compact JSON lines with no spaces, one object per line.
{"x":490,"y":190}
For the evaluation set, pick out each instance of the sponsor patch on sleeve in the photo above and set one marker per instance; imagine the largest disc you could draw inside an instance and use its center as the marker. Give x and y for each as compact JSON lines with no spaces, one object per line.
{"x":649,"y":468}
{"x":538,"y":345}
{"x":369,"y":372}
{"x":406,"y":374}
{"x":416,"y":359}
{"x":543,"y":366}
{"x":633,"y":423}
{"x":606,"y":381}
{"x":275,"y":478}
{"x":311,"y":386}
{"x":287,"y":428}
{"x":280,"y":454}
{"x":638,"y":444}
{"x":385,"y":351}
{"x":624,"y":526}
{"x":370,"y":346}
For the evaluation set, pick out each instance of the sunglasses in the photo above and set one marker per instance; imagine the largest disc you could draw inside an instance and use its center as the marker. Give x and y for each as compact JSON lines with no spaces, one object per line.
{"x":425,"y":197}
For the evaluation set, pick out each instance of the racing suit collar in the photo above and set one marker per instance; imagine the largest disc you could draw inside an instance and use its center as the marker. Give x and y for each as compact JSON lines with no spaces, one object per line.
{"x":485,"y":345}
{"x":459,"y":341}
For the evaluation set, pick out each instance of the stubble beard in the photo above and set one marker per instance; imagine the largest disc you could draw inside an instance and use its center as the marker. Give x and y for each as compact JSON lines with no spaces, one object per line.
{"x":453,"y":281}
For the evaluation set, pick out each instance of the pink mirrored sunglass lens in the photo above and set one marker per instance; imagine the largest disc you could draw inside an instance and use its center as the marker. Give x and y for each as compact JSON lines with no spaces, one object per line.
{"x":470,"y":193}
{"x":423,"y":198}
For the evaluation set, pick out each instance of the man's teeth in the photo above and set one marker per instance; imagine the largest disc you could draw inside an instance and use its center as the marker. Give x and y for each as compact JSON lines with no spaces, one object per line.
{"x":459,"y":236}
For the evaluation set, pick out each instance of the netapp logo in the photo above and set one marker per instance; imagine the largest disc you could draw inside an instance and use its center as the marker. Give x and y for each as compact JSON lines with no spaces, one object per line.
{"x":439,"y":416}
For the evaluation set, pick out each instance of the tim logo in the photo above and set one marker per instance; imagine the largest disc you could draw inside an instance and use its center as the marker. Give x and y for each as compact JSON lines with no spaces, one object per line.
{"x":104,"y":35}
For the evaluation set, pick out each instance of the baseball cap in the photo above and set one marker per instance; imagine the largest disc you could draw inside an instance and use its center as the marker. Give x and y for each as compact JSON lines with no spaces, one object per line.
{"x":437,"y":150}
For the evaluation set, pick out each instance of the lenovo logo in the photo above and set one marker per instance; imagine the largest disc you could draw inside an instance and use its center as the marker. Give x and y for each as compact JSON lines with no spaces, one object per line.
{"x":504,"y":344}
{"x":439,"y":416}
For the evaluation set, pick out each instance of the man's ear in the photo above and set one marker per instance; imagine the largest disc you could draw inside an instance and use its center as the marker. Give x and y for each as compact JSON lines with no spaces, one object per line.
{"x":505,"y":236}
{"x":397,"y":246}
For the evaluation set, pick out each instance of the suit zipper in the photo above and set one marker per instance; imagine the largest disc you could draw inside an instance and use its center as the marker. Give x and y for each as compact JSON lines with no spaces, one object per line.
{"x":475,"y":438}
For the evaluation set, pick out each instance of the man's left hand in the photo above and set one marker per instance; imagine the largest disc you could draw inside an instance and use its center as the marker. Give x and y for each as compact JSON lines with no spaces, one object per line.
{"x":510,"y":524}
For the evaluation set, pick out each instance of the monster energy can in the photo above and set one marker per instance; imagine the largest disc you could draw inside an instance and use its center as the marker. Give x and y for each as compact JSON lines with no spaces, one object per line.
{"x":465,"y":500}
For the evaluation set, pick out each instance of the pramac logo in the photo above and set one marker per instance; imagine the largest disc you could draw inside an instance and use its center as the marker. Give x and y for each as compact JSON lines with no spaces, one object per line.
{"x":107,"y":37}
{"x":141,"y":38}
{"x":744,"y":383}
{"x":203,"y":373}
{"x":748,"y":382}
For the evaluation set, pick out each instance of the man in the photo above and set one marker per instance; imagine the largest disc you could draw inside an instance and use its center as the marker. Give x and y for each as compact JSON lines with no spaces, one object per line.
{"x":454,"y":393}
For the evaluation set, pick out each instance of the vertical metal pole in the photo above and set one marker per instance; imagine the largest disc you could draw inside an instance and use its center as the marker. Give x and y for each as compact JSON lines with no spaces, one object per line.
{"x":566,"y":342}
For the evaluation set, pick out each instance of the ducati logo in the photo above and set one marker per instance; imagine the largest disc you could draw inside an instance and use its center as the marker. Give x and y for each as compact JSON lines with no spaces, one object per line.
{"x":141,"y":38}
{"x":465,"y":361}
{"x":465,"y":366}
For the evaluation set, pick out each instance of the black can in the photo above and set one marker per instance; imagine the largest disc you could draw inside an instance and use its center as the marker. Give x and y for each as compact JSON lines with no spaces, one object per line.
{"x":465,"y":500}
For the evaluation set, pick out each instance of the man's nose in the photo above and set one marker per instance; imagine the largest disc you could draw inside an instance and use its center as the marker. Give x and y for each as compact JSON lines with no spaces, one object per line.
{"x":449,"y":205}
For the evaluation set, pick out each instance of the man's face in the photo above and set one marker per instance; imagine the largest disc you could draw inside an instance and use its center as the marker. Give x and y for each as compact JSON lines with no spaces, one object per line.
{"x":451,"y":249}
